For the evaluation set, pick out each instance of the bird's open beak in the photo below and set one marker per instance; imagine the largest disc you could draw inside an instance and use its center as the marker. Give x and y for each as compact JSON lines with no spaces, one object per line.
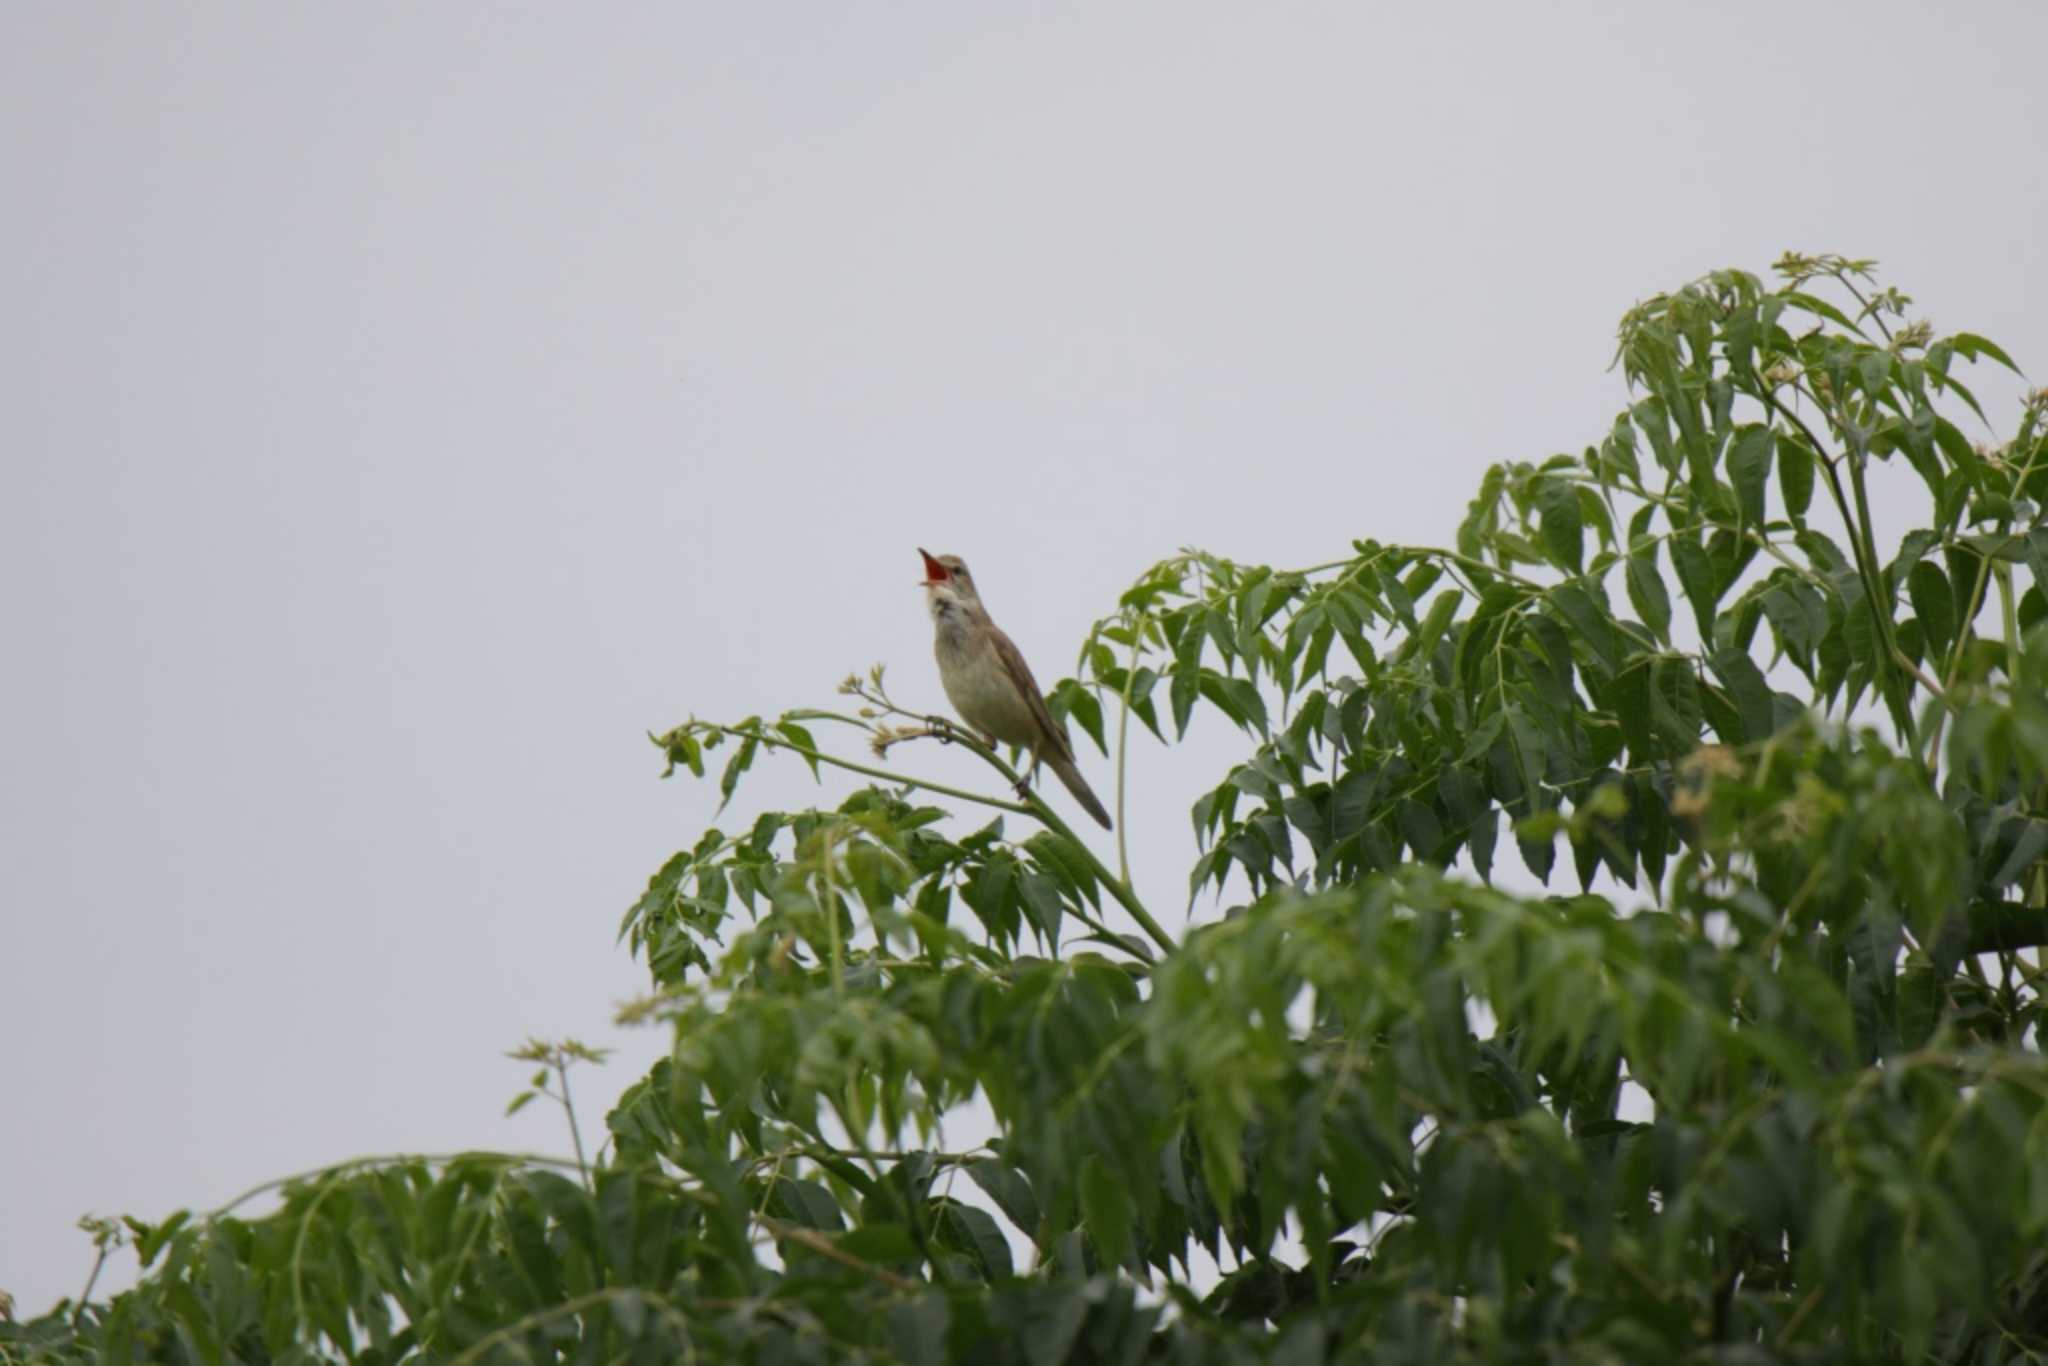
{"x":934,"y":572}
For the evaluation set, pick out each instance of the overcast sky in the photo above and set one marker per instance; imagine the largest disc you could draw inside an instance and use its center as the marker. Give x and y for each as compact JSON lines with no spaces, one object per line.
{"x":405,"y":408}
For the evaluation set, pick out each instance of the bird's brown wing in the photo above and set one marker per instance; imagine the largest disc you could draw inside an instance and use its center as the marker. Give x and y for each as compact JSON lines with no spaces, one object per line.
{"x":1020,"y":674}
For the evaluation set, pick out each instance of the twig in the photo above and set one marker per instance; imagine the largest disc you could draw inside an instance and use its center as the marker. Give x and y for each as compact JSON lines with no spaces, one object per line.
{"x":825,"y":1247}
{"x":777,"y":742}
{"x":569,"y":1107}
{"x":85,"y":1295}
{"x":383,"y":1160}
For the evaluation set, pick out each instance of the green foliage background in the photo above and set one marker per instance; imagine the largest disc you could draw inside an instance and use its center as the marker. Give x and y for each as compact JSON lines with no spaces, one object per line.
{"x":1767,"y":1086}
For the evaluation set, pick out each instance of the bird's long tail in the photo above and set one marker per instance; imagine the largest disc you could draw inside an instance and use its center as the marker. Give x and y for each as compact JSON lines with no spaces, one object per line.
{"x":1076,"y":784}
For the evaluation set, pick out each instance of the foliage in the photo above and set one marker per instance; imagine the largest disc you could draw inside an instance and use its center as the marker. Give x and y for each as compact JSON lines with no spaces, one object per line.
{"x":1767,"y":1086}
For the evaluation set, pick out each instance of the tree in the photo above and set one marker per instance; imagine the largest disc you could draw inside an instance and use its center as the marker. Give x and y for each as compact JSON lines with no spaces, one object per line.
{"x":1767,"y":1086}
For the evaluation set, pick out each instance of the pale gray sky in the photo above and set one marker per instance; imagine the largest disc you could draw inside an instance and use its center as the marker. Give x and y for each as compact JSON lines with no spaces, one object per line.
{"x":403,"y":408}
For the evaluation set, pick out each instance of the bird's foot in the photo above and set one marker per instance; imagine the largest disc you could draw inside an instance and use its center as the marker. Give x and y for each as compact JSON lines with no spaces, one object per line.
{"x":941,"y":727}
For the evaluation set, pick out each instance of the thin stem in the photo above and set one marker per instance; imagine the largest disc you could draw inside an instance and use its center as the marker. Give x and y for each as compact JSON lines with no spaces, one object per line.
{"x":569,"y":1108}
{"x":1123,"y":732}
{"x":1901,"y":701}
{"x":1955,"y":657}
{"x":1754,"y":535}
{"x":1419,"y":551}
{"x":2008,"y":618}
{"x":85,"y":1295}
{"x":777,"y":742}
{"x":1976,"y":605}
{"x":1871,"y":313}
{"x":1863,"y":545}
{"x":381,"y":1159}
{"x":834,"y":945}
{"x":825,"y":1247}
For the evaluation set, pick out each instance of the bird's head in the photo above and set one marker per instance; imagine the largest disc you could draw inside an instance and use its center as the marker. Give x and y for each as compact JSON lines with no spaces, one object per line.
{"x":946,"y":582}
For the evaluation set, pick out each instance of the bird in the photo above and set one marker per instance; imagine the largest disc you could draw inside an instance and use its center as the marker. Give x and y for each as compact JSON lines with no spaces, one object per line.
{"x":988,"y":682}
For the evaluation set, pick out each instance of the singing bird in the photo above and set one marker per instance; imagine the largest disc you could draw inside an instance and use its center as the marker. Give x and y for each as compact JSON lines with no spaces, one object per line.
{"x":988,"y":682}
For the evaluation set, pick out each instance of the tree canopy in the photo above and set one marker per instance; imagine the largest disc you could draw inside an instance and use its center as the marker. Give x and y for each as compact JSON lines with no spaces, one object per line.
{"x":1755,"y":1075}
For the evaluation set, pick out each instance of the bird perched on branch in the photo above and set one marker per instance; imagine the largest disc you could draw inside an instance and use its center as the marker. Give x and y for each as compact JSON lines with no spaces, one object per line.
{"x":988,"y":682}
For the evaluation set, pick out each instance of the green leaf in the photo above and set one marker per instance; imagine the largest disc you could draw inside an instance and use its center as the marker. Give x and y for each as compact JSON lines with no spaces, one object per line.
{"x":1442,"y":608}
{"x":1934,"y":604}
{"x":1042,"y":904}
{"x":1066,"y":861}
{"x":963,"y":1228}
{"x":1420,"y":828}
{"x":1589,"y":620}
{"x":1795,"y":476}
{"x":1106,"y":1206}
{"x":1971,"y":345}
{"x":1182,"y":692}
{"x":1646,"y":592}
{"x":1696,"y":579}
{"x":1789,"y":619}
{"x":741,"y":761}
{"x":2027,"y":850}
{"x":880,"y":1243}
{"x":801,"y":738}
{"x":1055,"y":1322}
{"x":149,"y":1244}
{"x":2036,"y":551}
{"x":1821,"y":308}
{"x":1562,"y":530}
{"x":917,"y":1329}
{"x":1010,"y":1190}
{"x":1069,"y":699}
{"x":809,"y":1203}
{"x":1749,"y":467}
{"x":1748,"y":690}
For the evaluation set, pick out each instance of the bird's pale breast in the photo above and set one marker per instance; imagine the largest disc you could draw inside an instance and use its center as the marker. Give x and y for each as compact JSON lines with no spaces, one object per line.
{"x":980,"y":688}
